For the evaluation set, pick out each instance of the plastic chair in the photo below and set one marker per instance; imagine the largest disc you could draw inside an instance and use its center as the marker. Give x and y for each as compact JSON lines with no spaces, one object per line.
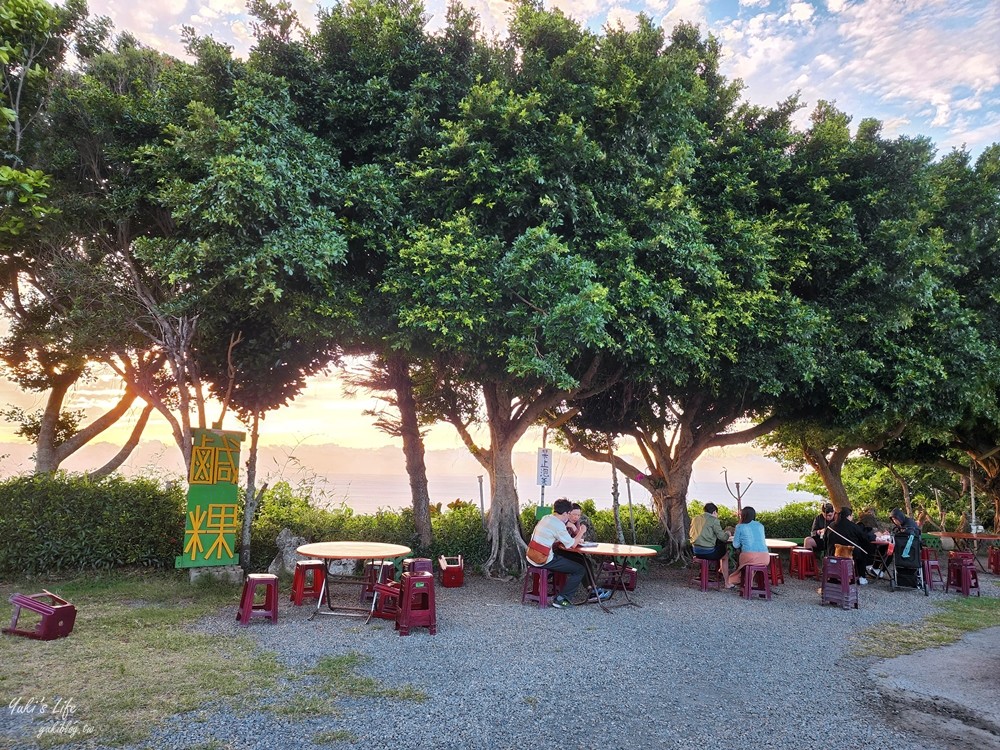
{"x":753,"y":573}
{"x":839,"y":583}
{"x":377,"y":571}
{"x":617,"y":575}
{"x":416,"y":604}
{"x":387,"y":597}
{"x":418,"y":565}
{"x":993,"y":560}
{"x":931,"y":565}
{"x":452,"y":571}
{"x":540,"y":584}
{"x":307,"y":581}
{"x":802,"y":563}
{"x":777,"y":574}
{"x":269,"y":607}
{"x":58,"y":616}
{"x":705,"y":579}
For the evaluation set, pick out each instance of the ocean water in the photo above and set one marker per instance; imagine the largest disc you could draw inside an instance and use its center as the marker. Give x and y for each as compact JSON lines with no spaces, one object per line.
{"x":367,"y":493}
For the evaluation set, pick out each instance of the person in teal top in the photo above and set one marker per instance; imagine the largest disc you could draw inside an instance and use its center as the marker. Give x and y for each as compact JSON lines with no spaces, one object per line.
{"x":749,"y":540}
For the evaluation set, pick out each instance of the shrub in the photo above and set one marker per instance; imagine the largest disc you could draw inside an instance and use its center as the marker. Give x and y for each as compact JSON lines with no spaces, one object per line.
{"x":61,"y":522}
{"x":456,"y":531}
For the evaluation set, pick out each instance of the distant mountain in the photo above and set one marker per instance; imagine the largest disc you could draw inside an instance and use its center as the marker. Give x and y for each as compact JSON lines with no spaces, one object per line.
{"x":298,"y":463}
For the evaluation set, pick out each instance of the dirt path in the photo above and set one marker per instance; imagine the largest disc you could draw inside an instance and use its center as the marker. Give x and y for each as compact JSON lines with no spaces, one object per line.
{"x":948,"y":695}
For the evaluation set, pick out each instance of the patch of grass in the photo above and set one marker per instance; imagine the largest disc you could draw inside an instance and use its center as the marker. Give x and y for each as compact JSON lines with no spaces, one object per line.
{"x":337,"y":735}
{"x":953,"y":618}
{"x":130,"y":661}
{"x":338,"y":676}
{"x":303,"y":705}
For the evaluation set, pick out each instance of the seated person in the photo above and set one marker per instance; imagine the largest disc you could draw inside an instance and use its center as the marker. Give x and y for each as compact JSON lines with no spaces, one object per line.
{"x":749,"y":540}
{"x":576,"y":522}
{"x":576,"y":518}
{"x":902,"y":522}
{"x":709,"y":541}
{"x":815,"y":540}
{"x":548,"y":531}
{"x":872,"y":527}
{"x":845,"y":532}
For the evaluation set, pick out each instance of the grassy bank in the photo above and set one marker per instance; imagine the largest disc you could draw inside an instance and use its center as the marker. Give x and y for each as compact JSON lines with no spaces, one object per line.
{"x":134,"y":659}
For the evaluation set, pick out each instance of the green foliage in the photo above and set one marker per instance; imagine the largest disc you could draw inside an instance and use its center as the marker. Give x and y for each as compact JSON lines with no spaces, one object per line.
{"x":788,"y":522}
{"x":61,"y":522}
{"x":870,"y":484}
{"x":457,"y":531}
{"x":647,"y":526}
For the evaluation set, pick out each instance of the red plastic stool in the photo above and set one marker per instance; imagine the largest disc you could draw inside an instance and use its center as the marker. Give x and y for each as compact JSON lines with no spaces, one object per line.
{"x":387,"y":596}
{"x":750,"y":577}
{"x":614,"y":576}
{"x":802,"y":563}
{"x":416,"y":603}
{"x":957,"y":561}
{"x":929,"y":561}
{"x":307,"y":582}
{"x":704,"y":579}
{"x":966,"y":580}
{"x":418,"y":565}
{"x":777,"y":574}
{"x":452,"y":571}
{"x":540,"y":584}
{"x":377,"y":571}
{"x":269,"y":608}
{"x":993,"y":560}
{"x":58,"y":616}
{"x":839,"y":585}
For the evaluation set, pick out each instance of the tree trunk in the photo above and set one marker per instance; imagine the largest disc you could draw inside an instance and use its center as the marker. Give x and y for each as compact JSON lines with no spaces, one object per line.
{"x":46,"y":457}
{"x":503,"y":522}
{"x":126,"y":449}
{"x":413,"y":447}
{"x":252,"y":495}
{"x":830,"y":470}
{"x":669,"y":493}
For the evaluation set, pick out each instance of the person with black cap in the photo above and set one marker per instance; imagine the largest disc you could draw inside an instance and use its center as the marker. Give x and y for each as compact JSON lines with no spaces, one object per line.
{"x":815,"y":540}
{"x":902,"y":522}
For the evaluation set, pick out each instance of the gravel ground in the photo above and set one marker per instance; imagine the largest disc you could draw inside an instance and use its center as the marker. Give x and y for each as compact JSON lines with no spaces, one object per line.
{"x":687,"y":669}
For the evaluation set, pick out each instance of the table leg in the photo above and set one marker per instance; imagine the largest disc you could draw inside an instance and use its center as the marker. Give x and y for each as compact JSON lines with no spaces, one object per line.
{"x":588,"y":565}
{"x":323,"y":590}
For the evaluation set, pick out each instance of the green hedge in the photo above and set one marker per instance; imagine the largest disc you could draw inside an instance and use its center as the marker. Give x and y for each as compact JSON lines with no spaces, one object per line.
{"x":647,"y":527}
{"x":456,"y":531}
{"x":59,"y":522}
{"x":793,"y":521}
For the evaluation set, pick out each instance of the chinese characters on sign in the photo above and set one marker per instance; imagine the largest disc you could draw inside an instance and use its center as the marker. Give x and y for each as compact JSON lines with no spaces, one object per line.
{"x":212,"y":518}
{"x":544,"y":467}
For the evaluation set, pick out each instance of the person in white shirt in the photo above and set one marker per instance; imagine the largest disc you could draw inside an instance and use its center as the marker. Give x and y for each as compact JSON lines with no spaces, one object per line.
{"x":548,"y":531}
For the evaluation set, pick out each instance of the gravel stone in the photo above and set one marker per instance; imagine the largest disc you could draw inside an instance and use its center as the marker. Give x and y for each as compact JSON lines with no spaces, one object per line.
{"x":686,"y":669}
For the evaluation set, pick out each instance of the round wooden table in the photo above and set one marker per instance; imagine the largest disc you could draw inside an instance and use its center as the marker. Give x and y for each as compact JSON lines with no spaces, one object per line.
{"x":603,"y":549}
{"x":780,"y":544}
{"x":327,"y":551}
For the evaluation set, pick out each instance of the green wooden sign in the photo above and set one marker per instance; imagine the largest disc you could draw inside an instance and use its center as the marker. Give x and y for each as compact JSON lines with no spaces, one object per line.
{"x":212,"y":519}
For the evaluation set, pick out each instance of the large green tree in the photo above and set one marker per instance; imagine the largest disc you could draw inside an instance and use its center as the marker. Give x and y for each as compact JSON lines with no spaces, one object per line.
{"x":718,"y":334}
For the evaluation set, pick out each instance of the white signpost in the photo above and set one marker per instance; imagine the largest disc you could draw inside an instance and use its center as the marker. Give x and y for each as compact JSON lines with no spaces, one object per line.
{"x":544,"y":478}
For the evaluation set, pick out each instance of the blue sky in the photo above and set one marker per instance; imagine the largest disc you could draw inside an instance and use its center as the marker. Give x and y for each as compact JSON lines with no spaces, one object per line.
{"x":923,"y":67}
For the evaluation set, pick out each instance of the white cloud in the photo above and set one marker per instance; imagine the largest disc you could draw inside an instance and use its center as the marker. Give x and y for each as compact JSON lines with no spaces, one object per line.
{"x":945,"y":55}
{"x":754,"y":3}
{"x":581,"y":10}
{"x":693,"y":11}
{"x":624,"y":16}
{"x":824,"y":61}
{"x":836,"y":6}
{"x":799,"y":12}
